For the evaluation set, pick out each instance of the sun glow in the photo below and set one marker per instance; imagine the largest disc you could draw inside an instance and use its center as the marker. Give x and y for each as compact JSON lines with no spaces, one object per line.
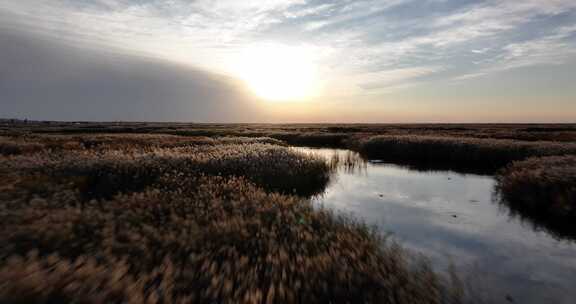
{"x":279,"y":73}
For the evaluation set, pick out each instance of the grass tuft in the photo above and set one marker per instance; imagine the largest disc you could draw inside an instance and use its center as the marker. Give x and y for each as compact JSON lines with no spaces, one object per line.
{"x":473,"y":154}
{"x":544,"y":190}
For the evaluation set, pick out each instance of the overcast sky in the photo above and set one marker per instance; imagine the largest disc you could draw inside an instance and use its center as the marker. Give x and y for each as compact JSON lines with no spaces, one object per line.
{"x":378,"y":61}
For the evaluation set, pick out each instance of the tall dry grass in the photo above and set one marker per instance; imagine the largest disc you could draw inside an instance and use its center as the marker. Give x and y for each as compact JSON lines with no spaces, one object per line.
{"x":311,"y":139}
{"x":104,"y":173}
{"x":483,"y":155}
{"x":32,"y":143}
{"x":200,"y":224}
{"x":225,"y":241}
{"x":544,"y":190}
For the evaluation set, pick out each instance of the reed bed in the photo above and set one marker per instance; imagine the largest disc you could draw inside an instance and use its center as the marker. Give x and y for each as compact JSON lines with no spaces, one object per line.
{"x":543,"y":189}
{"x":12,"y":148}
{"x":346,"y":160}
{"x":483,"y":155}
{"x":105,"y":173}
{"x":250,"y":140}
{"x":316,"y":139}
{"x":32,"y":143}
{"x":209,"y":240}
{"x":192,"y":224}
{"x":286,"y":132}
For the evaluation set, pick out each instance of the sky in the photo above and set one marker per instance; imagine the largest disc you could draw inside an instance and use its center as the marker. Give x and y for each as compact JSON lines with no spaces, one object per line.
{"x":289,"y":60}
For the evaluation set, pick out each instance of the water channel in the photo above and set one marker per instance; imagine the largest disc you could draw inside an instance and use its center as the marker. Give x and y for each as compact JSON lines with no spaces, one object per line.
{"x":456,"y":221}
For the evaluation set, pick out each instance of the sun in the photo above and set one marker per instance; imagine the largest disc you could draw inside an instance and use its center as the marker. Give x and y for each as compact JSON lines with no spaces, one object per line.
{"x":279,"y":73}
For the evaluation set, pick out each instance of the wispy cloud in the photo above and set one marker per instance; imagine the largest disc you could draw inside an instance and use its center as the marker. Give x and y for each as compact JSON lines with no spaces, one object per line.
{"x":387,"y":79}
{"x":553,"y":49}
{"x":374,"y":44}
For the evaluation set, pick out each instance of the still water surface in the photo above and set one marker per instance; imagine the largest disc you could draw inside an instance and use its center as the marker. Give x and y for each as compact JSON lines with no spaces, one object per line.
{"x":455,"y":219}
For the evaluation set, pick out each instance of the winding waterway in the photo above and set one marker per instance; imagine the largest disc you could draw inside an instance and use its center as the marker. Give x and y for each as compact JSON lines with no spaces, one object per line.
{"x":455,"y":220}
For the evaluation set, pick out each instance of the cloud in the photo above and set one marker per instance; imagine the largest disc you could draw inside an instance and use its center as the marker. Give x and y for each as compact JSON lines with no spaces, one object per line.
{"x":346,"y":12}
{"x":480,"y":51}
{"x":361,"y":47}
{"x":198,"y":33}
{"x":309,"y":11}
{"x":392,"y":78}
{"x":44,"y":79}
{"x":553,"y":49}
{"x":206,"y":32}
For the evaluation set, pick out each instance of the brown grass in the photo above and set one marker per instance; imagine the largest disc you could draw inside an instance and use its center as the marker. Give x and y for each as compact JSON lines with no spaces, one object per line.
{"x":194,"y":223}
{"x":543,"y":189}
{"x":224,"y":241}
{"x":483,"y":155}
{"x":33,"y":143}
{"x":102,"y":174}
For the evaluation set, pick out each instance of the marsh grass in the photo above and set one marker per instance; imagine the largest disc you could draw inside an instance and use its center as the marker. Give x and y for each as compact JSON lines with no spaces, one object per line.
{"x":350,"y":161}
{"x":248,"y":247}
{"x":219,"y":214}
{"x":250,"y":140}
{"x":32,"y":143}
{"x":347,"y":160}
{"x":471,"y":154}
{"x":542,"y":189}
{"x":12,"y":147}
{"x":102,"y":174}
{"x":201,"y":224}
{"x":316,"y":139}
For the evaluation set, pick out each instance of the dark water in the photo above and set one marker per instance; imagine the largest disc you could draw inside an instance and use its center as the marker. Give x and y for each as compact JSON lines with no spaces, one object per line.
{"x":455,"y":219}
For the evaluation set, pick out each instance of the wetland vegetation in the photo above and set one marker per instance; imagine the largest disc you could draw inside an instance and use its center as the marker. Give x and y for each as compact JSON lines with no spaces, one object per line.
{"x":544,"y":190}
{"x":178,"y":213}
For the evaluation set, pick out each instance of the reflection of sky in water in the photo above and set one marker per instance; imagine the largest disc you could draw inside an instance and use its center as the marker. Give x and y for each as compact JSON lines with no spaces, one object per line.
{"x":451,"y":218}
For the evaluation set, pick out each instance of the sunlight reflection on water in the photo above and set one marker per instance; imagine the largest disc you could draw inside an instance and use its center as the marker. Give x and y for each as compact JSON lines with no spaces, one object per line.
{"x":454,"y":219}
